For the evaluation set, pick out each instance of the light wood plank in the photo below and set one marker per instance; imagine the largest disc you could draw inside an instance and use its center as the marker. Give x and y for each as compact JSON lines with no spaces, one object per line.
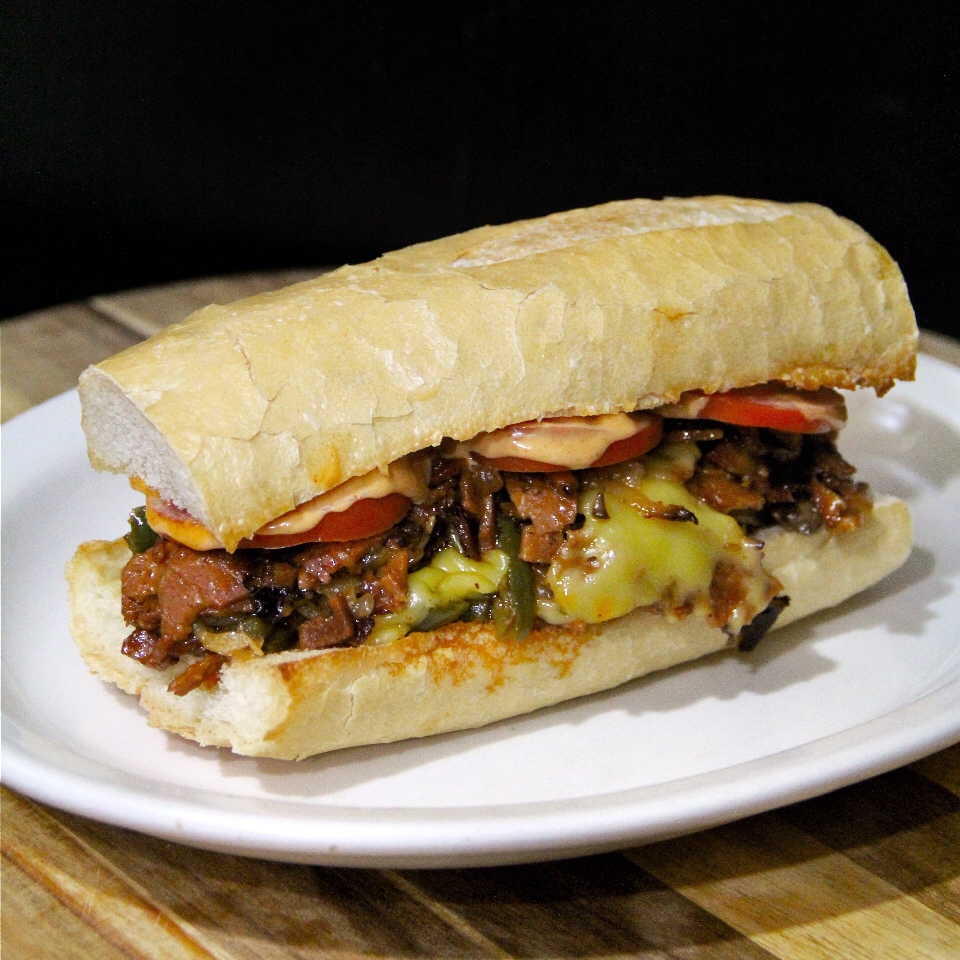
{"x":246,"y":909}
{"x":43,"y":353}
{"x":796,"y":897}
{"x":36,"y":926}
{"x":90,"y":888}
{"x":151,"y":309}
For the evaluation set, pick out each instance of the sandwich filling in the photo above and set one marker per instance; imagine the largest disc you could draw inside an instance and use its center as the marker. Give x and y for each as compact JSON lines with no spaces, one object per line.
{"x":567,"y":521}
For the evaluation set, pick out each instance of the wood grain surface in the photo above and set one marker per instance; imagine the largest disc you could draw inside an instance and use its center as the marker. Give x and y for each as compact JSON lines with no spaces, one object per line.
{"x":870,"y":871}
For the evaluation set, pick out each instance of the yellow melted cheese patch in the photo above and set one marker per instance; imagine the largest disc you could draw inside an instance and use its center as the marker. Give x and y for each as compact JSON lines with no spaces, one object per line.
{"x":627,"y":560}
{"x":449,"y":578}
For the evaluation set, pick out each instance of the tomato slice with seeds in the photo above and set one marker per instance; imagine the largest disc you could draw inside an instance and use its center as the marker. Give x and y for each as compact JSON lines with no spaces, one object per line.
{"x":778,"y":407}
{"x":648,"y":434}
{"x":363,"y":518}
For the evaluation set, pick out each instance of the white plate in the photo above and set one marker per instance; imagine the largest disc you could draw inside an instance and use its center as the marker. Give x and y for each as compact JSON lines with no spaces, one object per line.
{"x":847,"y":694}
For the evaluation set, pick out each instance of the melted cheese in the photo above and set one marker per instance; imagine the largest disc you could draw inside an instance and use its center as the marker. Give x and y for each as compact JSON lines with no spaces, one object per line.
{"x":448,"y":578}
{"x":190,"y":532}
{"x":630,"y":559}
{"x":170,"y":521}
{"x":572,"y":442}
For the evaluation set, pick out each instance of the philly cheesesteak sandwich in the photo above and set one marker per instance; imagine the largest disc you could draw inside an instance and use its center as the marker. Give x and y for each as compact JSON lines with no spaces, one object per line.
{"x":492,"y":472}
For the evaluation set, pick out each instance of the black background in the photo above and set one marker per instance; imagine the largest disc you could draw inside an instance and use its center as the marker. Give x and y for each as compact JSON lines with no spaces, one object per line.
{"x":153,"y":142}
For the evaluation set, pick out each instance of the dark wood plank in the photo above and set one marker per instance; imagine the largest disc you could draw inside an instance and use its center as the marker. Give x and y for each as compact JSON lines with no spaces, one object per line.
{"x":942,"y":768}
{"x":601,"y":906}
{"x":900,"y":826}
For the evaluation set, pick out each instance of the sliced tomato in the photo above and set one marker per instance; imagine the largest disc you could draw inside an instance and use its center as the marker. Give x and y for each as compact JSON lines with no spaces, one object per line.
{"x":778,"y":407}
{"x":772,"y":405}
{"x":648,"y":435}
{"x":364,"y":518}
{"x":644,"y":440}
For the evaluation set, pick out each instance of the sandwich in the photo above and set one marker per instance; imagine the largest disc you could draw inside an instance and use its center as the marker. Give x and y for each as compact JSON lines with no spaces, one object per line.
{"x":490,"y":473}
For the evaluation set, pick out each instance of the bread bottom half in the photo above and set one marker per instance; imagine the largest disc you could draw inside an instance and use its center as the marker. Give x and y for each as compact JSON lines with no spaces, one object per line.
{"x":299,"y":703}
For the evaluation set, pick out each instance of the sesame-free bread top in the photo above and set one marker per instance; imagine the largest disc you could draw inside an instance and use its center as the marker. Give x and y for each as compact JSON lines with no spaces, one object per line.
{"x":241,"y":412}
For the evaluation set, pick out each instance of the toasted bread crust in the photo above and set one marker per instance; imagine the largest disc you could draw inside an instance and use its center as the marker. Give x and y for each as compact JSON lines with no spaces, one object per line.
{"x":243,"y":411}
{"x":297,"y":704}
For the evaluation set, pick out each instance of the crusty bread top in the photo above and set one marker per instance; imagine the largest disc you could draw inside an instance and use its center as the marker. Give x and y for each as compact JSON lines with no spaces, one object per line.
{"x":241,"y":412}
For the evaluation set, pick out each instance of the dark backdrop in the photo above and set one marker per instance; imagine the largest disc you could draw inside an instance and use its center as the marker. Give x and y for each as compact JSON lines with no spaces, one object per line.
{"x":152,"y":142}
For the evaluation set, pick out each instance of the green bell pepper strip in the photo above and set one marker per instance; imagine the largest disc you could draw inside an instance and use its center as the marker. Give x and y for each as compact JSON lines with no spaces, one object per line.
{"x":441,"y":616}
{"x":515,"y":605}
{"x":141,"y":536}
